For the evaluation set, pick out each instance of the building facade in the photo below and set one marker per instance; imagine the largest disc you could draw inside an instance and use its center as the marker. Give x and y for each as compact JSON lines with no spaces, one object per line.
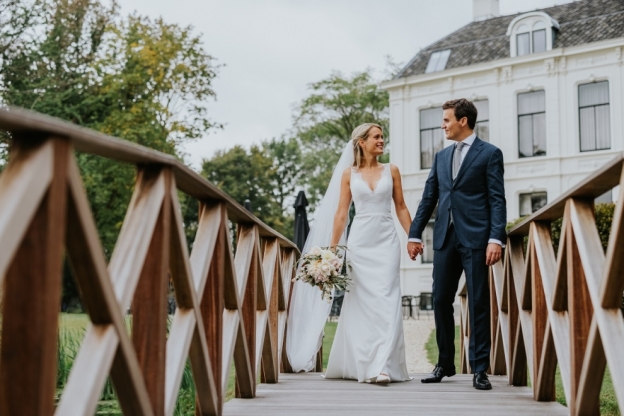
{"x":548,"y":85}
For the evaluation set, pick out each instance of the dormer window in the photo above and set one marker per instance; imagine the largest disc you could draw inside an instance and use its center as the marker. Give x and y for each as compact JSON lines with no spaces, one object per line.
{"x":438,"y":60}
{"x":531,"y":33}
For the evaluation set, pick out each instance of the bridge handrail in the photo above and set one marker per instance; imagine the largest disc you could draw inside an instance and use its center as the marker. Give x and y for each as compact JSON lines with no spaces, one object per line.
{"x":231,"y":307}
{"x":85,"y":140}
{"x":560,"y":309}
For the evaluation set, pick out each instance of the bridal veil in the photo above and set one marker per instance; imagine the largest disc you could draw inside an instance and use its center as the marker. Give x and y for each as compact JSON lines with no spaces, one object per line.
{"x":308,"y":311}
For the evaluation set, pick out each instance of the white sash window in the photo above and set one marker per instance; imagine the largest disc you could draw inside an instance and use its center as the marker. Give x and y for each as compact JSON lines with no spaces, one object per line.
{"x":594,"y":120}
{"x":431,"y":135}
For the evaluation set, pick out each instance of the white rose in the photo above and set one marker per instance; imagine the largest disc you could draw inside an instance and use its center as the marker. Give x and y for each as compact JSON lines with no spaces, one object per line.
{"x":312,"y":267}
{"x":337,"y":263}
{"x":315,"y":251}
{"x":327,"y":255}
{"x":322,"y":277}
{"x":326,"y":268}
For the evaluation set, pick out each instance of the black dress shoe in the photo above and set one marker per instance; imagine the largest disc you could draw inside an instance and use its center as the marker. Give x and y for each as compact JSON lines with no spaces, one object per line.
{"x":480,"y":381}
{"x":437,"y":374}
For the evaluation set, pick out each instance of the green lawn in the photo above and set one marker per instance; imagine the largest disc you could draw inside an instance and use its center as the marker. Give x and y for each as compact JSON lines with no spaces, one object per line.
{"x":608,"y":401}
{"x":432,"y":348}
{"x":328,"y":340}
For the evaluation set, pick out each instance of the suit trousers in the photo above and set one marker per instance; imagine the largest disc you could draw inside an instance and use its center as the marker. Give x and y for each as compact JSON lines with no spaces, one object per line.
{"x":448,"y":263}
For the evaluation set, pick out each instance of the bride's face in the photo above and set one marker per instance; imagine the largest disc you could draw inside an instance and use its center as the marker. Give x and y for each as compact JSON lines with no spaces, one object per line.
{"x":374,"y":143}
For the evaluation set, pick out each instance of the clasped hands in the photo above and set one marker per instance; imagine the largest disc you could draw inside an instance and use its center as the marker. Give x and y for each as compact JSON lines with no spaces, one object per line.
{"x":492,"y":253}
{"x":414,"y":249}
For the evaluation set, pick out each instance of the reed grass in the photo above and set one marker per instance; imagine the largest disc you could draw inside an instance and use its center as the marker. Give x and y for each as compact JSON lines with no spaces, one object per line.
{"x":72,"y":328}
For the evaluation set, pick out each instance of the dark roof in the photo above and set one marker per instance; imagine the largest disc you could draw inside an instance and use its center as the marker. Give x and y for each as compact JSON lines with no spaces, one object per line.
{"x":580,"y":22}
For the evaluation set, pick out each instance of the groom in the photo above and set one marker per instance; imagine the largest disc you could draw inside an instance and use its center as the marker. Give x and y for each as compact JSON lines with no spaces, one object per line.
{"x":466,"y":182}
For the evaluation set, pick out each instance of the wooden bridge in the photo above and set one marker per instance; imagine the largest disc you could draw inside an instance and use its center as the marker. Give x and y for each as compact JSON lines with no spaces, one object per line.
{"x":232,"y":306}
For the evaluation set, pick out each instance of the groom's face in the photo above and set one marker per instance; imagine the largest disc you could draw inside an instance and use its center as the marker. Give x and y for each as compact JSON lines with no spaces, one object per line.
{"x":453,"y":128}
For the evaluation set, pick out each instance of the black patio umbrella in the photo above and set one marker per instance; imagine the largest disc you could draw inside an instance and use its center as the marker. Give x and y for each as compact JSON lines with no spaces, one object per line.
{"x":302,"y":228}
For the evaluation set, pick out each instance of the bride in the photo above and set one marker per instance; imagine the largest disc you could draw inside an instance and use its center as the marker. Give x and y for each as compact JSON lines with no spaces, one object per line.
{"x":369,"y":344}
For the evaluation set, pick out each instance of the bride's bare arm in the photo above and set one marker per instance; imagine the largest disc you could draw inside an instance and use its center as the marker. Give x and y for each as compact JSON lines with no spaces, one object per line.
{"x":340,"y":219}
{"x":399,"y":202}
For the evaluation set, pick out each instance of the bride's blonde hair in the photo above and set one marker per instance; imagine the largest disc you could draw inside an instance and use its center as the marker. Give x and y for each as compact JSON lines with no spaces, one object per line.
{"x":361,"y":133}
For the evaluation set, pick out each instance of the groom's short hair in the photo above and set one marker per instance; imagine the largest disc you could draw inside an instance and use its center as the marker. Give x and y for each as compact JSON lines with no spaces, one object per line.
{"x":463,"y":108}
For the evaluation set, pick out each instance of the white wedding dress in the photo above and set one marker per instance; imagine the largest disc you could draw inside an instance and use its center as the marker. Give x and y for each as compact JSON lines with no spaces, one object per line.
{"x":369,"y":338}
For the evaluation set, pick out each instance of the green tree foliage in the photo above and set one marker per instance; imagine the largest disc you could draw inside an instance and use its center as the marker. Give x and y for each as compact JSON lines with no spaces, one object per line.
{"x":603,"y":213}
{"x":17,"y":18}
{"x":142,"y":80}
{"x":286,"y":173}
{"x":604,"y":217}
{"x":267,"y":175}
{"x":325,"y":120}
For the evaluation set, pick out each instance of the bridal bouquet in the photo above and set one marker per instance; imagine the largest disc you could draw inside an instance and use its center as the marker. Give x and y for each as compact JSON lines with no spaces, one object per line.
{"x":325,"y":269}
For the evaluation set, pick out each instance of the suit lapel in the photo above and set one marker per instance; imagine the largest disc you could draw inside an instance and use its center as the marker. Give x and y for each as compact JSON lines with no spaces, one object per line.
{"x":449,"y":163}
{"x":473,"y":151}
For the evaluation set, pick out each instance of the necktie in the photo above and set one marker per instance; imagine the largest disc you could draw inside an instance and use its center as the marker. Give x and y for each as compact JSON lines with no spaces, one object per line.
{"x":457,"y":159}
{"x":456,"y":164}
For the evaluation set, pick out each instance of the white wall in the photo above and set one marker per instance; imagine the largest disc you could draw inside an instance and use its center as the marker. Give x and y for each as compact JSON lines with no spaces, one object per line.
{"x":558,"y":72}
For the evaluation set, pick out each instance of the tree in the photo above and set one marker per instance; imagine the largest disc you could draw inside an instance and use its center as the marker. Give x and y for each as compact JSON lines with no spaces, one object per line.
{"x":324,"y":122}
{"x":286,"y":173}
{"x":285,"y":178}
{"x":142,"y":80}
{"x":244,"y":176}
{"x":17,"y":17}
{"x":267,"y":175}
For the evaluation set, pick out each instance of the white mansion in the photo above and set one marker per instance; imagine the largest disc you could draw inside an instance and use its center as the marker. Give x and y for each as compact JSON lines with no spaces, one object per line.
{"x":548,"y":85}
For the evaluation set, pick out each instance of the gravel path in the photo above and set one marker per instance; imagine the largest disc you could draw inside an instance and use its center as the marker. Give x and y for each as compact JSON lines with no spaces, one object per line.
{"x":417,"y":332}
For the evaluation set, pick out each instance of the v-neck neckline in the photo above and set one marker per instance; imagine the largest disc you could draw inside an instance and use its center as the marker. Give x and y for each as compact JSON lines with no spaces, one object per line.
{"x":368,"y":185}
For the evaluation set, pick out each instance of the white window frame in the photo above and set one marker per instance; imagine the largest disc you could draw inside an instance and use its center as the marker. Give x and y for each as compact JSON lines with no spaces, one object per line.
{"x":532,"y":114}
{"x":481,"y":120}
{"x":433,"y":129}
{"x":531,"y":19}
{"x":579,"y":108}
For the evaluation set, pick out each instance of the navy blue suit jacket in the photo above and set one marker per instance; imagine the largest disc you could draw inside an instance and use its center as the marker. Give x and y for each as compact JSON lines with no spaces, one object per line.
{"x":476,"y":197}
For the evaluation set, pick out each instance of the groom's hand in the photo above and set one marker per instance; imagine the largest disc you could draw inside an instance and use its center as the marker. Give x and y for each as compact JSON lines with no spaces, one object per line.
{"x":414,"y":249}
{"x":493,"y":254}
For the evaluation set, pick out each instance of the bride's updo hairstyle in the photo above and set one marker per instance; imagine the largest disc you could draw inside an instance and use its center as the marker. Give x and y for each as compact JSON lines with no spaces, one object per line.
{"x":361,"y":133}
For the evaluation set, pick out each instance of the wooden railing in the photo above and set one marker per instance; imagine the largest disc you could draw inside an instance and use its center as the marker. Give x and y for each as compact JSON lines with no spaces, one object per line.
{"x":229,"y":307}
{"x":561,"y":308}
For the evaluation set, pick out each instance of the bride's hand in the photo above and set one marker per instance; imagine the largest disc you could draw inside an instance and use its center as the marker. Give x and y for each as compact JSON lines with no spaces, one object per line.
{"x":414,"y":249}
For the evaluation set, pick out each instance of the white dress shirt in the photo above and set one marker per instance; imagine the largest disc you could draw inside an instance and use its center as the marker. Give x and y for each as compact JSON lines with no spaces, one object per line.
{"x":468,"y":141}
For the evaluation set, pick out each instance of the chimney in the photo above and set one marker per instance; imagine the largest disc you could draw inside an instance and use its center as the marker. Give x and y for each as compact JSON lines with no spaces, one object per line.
{"x":485,"y":9}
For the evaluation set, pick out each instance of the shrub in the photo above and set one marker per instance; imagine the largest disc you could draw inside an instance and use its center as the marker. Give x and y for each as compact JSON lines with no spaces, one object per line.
{"x":604,"y":218}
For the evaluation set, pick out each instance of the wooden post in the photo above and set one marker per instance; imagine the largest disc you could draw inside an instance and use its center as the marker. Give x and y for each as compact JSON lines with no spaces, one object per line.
{"x":31,"y":302}
{"x":211,"y":307}
{"x":247,"y":266}
{"x":149,"y":307}
{"x":541,"y":330}
{"x":580,"y":311}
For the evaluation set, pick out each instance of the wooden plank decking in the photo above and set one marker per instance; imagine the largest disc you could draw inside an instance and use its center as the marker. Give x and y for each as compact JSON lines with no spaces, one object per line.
{"x":309,"y":394}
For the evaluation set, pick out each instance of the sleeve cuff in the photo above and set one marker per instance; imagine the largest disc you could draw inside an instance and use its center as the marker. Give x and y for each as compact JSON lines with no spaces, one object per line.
{"x":414,"y":240}
{"x":495,"y":241}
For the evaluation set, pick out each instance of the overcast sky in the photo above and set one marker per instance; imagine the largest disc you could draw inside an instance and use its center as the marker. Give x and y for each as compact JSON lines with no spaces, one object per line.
{"x":272,"y":50}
